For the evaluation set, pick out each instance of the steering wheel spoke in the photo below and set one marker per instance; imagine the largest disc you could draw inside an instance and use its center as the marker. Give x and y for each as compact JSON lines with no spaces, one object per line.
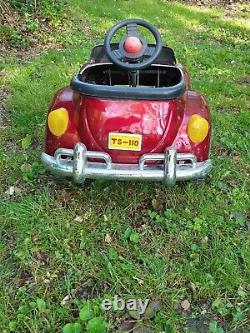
{"x":132,"y":29}
{"x":149,"y":51}
{"x":116,"y":53}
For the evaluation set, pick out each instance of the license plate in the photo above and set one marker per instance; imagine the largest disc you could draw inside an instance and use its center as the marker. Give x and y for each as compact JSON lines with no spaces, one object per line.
{"x":123,"y":141}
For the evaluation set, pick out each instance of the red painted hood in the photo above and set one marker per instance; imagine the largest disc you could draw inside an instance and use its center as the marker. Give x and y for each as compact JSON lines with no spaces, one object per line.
{"x":157,"y":122}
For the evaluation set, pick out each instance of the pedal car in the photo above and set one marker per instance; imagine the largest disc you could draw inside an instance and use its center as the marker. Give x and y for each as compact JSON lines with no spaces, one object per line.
{"x":129,"y":113}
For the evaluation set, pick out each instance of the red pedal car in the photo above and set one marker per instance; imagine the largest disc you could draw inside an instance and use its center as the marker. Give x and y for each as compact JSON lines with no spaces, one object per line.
{"x":129,"y":113}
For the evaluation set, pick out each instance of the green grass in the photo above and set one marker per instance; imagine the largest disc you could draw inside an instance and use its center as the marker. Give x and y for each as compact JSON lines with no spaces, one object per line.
{"x":193,"y":239}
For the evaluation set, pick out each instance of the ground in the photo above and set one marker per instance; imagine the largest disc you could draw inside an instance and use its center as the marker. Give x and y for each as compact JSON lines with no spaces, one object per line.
{"x":63,"y":246}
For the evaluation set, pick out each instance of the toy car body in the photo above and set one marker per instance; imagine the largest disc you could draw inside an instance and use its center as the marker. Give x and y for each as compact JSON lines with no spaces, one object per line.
{"x":130,"y":113}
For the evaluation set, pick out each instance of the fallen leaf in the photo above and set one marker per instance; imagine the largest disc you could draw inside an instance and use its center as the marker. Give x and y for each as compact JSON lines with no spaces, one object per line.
{"x":78,"y":218}
{"x":193,"y":287}
{"x":206,"y":239}
{"x":17,"y":190}
{"x":157,"y":205}
{"x":10,"y":191}
{"x":140,"y":281}
{"x":65,"y":300}
{"x":185,"y":305}
{"x":107,"y":238}
{"x":13,"y":190}
{"x":26,"y":168}
{"x":63,"y":196}
{"x":41,"y":258}
{"x":35,"y":237}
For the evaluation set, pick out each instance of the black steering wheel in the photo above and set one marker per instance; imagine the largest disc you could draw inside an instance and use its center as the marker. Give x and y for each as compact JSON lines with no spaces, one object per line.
{"x":133,"y":52}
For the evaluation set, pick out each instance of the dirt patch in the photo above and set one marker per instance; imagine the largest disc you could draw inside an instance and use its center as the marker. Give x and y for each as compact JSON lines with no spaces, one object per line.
{"x":198,"y":325}
{"x":244,"y":80}
{"x":230,"y":6}
{"x":90,"y":289}
{"x":27,"y":33}
{"x":212,"y":3}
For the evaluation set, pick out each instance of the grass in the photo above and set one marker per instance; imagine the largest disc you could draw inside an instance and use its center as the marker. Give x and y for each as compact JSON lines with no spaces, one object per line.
{"x":190,"y":242}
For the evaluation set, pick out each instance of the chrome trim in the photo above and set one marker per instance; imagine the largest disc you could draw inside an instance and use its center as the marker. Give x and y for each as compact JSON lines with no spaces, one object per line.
{"x":174,"y":167}
{"x":170,"y":167}
{"x":79,"y":164}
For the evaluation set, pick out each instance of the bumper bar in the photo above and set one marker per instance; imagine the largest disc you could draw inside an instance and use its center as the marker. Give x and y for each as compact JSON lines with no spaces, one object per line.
{"x":175,"y":166}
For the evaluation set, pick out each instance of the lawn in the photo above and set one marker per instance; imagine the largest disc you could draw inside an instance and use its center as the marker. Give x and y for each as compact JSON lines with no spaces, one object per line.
{"x":186,"y":248}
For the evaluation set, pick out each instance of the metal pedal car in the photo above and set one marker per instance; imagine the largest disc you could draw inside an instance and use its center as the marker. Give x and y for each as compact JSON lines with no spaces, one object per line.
{"x":129,"y":113}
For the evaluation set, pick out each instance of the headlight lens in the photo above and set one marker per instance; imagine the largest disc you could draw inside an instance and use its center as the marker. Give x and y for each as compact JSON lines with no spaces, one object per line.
{"x":58,"y":121}
{"x":197,"y":128}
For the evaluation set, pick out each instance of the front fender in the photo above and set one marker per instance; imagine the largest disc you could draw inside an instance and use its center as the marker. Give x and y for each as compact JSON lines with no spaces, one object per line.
{"x":194,"y":104}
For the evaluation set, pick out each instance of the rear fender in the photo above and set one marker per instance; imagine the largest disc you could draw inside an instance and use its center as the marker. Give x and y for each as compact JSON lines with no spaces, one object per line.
{"x":194,"y":104}
{"x":64,"y":98}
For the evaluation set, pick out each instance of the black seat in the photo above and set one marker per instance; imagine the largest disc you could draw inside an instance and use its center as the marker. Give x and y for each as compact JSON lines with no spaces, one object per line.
{"x":166,"y":57}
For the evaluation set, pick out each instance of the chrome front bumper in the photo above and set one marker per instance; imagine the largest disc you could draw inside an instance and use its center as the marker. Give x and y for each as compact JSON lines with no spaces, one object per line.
{"x":175,"y":167}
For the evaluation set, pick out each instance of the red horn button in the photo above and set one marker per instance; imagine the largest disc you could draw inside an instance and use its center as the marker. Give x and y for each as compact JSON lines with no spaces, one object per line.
{"x":132,"y":45}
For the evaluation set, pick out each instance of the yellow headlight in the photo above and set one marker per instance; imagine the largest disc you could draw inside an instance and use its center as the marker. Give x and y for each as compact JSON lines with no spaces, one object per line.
{"x":58,"y":121}
{"x":197,"y":128}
